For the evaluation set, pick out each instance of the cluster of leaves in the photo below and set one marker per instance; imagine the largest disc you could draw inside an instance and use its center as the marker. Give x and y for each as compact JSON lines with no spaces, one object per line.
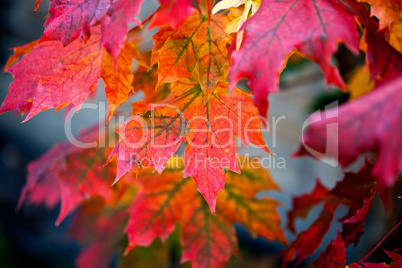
{"x":148,"y":207}
{"x":195,"y":52}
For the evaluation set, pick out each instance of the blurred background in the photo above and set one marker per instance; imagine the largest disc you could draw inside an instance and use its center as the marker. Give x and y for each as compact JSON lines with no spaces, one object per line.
{"x":29,"y":237}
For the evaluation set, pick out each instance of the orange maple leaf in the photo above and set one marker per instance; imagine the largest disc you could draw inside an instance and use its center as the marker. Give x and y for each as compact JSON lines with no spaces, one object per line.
{"x":151,"y":138}
{"x":199,"y":45}
{"x":387,"y":11}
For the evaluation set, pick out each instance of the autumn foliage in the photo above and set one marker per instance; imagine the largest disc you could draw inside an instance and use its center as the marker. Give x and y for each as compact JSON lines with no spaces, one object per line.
{"x":135,"y":188}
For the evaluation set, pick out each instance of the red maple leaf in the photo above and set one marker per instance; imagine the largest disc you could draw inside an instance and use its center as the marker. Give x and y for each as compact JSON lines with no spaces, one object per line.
{"x":73,"y":174}
{"x":384,"y":61}
{"x":50,"y":75}
{"x":208,"y":240}
{"x":70,"y":19}
{"x":152,"y":137}
{"x":367,"y":124}
{"x":335,"y":257}
{"x":312,"y":27}
{"x":304,"y":203}
{"x":356,"y":190}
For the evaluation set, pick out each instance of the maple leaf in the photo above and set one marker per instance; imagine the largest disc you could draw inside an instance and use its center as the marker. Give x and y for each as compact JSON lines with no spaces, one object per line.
{"x":72,"y":172}
{"x":238,"y":203}
{"x":383,"y":60}
{"x":118,"y":80}
{"x":313,"y":27}
{"x":200,"y":44}
{"x":204,"y":236}
{"x":304,"y":203}
{"x":43,"y":169}
{"x":18,"y":52}
{"x":386,"y":11}
{"x":173,"y":13}
{"x":397,"y":258}
{"x":70,"y":19}
{"x":167,"y":199}
{"x":396,"y":262}
{"x":157,"y":207}
{"x":208,"y":240}
{"x":45,"y":190}
{"x":356,"y":190}
{"x":115,"y":24}
{"x":151,"y":138}
{"x":83,"y":179}
{"x":50,"y":75}
{"x":335,"y":257}
{"x":363,"y":130}
{"x":390,"y":20}
{"x":309,"y":240}
{"x":385,"y":64}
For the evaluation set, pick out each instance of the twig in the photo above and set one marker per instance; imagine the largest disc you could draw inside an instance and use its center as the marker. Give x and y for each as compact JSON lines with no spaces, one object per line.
{"x":396,"y":226}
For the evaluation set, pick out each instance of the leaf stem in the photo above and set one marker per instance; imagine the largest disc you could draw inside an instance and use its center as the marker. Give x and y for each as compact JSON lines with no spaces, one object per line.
{"x":396,"y":226}
{"x":209,"y":9}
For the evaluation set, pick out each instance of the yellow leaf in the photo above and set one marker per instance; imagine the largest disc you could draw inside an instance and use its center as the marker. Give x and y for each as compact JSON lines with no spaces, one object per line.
{"x":250,"y":7}
{"x":359,"y":83}
{"x":395,"y":32}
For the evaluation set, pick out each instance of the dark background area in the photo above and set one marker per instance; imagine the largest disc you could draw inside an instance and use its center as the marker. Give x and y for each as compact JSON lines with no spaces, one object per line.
{"x":28,"y":238}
